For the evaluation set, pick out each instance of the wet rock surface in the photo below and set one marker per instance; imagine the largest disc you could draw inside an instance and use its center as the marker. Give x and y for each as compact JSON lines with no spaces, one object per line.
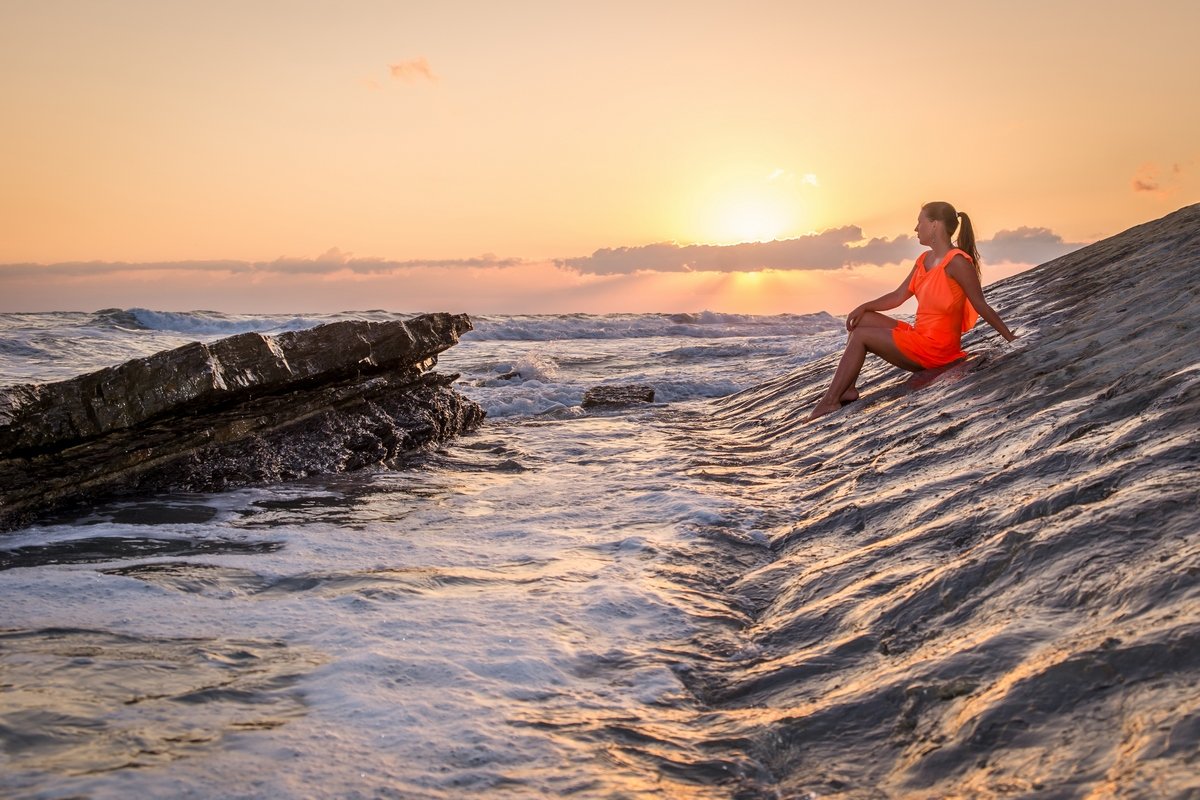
{"x":616,"y":396}
{"x":993,"y":589}
{"x":244,"y":410}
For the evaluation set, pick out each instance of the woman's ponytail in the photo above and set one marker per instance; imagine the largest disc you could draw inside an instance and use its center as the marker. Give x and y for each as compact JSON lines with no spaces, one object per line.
{"x":966,"y":239}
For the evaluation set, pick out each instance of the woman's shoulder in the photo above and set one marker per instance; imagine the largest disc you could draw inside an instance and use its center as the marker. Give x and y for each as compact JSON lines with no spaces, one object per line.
{"x":961,"y":268}
{"x":955,"y":254}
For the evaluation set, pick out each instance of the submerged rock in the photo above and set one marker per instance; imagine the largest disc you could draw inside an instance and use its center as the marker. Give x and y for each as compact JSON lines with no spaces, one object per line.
{"x":247,"y":409}
{"x":612,"y":396}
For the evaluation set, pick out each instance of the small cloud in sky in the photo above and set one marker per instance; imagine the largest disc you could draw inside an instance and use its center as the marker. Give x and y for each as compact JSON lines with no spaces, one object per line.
{"x":1150,"y":179}
{"x":1146,"y":179}
{"x":412,"y":70}
{"x":778,"y":174}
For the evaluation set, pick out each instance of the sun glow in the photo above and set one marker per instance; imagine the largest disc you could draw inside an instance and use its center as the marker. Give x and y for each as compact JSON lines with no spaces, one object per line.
{"x":750,"y":205}
{"x":750,"y":221}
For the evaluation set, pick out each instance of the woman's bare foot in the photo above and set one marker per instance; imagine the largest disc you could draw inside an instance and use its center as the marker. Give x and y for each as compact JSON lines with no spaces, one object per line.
{"x":849,"y":396}
{"x":822,"y":409}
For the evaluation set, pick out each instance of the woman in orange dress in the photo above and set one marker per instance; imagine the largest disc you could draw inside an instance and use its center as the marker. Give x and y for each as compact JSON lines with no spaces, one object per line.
{"x":949,"y":295}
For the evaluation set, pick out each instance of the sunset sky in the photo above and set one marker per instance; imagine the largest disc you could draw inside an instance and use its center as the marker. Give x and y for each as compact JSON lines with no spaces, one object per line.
{"x":289,"y":155}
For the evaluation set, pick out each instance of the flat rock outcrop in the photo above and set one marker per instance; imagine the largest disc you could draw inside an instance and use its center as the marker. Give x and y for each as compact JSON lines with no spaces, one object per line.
{"x":247,"y":409}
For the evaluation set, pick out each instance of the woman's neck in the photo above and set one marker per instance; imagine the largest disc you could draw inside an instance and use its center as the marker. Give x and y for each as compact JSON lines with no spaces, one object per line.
{"x":940,"y":247}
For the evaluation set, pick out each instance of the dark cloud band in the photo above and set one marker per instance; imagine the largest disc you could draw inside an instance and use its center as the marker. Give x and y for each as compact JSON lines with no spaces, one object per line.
{"x":833,"y":249}
{"x":285,"y":266}
{"x":830,"y":250}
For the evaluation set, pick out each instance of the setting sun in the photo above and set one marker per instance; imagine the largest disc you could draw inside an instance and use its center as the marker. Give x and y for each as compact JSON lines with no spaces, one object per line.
{"x":750,"y":220}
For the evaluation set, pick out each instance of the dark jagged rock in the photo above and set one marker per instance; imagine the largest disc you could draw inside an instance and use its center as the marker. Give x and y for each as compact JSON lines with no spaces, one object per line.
{"x":614,"y":396}
{"x":248,"y":409}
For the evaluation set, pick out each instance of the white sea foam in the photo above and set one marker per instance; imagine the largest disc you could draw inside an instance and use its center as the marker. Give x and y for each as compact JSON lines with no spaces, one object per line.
{"x":211,"y":323}
{"x":436,"y":616}
{"x":706,"y":325}
{"x":426,"y":632}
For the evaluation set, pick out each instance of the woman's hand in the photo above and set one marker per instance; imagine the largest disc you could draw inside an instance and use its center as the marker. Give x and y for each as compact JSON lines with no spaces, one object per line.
{"x":854,"y":317}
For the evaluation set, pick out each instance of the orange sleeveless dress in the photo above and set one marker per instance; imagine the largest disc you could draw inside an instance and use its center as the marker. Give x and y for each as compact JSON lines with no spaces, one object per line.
{"x":943,"y":315}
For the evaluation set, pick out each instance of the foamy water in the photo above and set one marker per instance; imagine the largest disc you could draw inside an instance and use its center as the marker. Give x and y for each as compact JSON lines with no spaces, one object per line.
{"x":513,"y":615}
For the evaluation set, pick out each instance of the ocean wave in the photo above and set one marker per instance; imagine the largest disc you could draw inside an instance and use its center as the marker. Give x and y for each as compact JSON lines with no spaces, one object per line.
{"x":200,"y":323}
{"x":16,"y":348}
{"x":705,"y":325}
{"x":546,"y":327}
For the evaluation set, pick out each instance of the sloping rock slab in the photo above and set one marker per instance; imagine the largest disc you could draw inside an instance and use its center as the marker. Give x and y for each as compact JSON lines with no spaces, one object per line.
{"x":262,"y":409}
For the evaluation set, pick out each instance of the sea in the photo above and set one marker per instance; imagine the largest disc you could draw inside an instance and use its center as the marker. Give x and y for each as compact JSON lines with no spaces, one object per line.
{"x":523,"y":611}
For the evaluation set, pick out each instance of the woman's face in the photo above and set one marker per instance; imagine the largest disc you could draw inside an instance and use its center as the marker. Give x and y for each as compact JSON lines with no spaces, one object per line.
{"x":924,"y":229}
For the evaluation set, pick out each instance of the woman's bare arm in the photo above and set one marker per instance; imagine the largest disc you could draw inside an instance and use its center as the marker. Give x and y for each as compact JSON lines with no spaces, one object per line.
{"x":963,"y":272}
{"x":885,"y":302}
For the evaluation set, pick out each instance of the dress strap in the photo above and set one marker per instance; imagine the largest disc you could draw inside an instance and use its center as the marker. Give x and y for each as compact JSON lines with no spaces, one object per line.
{"x":954,"y":251}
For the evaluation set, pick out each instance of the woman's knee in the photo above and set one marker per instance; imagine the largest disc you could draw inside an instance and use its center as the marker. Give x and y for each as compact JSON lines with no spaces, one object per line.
{"x":873,"y":319}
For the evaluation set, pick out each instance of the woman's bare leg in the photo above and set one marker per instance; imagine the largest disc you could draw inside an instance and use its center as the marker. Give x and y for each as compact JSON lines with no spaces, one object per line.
{"x":873,"y":319}
{"x":870,"y":319}
{"x":863,"y":339}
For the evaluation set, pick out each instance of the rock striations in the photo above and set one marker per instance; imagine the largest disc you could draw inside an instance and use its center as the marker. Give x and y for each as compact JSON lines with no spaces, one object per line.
{"x":994,"y":589}
{"x":248,"y":409}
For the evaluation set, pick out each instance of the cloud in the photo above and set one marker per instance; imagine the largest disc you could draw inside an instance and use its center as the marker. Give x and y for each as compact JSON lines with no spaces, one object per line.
{"x":1146,"y":179}
{"x":415,"y":69}
{"x":331,"y":262}
{"x":84,"y":269}
{"x":334,"y":261}
{"x":831,"y":271}
{"x":1149,"y":179}
{"x":806,"y":179}
{"x":1026,"y":245}
{"x":832,"y":249}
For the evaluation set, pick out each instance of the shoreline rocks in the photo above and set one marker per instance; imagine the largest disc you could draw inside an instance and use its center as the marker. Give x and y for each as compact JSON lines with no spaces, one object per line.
{"x":245,"y":410}
{"x":617,"y":396}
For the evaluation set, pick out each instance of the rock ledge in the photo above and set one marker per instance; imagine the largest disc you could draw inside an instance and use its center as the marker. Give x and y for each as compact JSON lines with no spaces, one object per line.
{"x":247,"y":409}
